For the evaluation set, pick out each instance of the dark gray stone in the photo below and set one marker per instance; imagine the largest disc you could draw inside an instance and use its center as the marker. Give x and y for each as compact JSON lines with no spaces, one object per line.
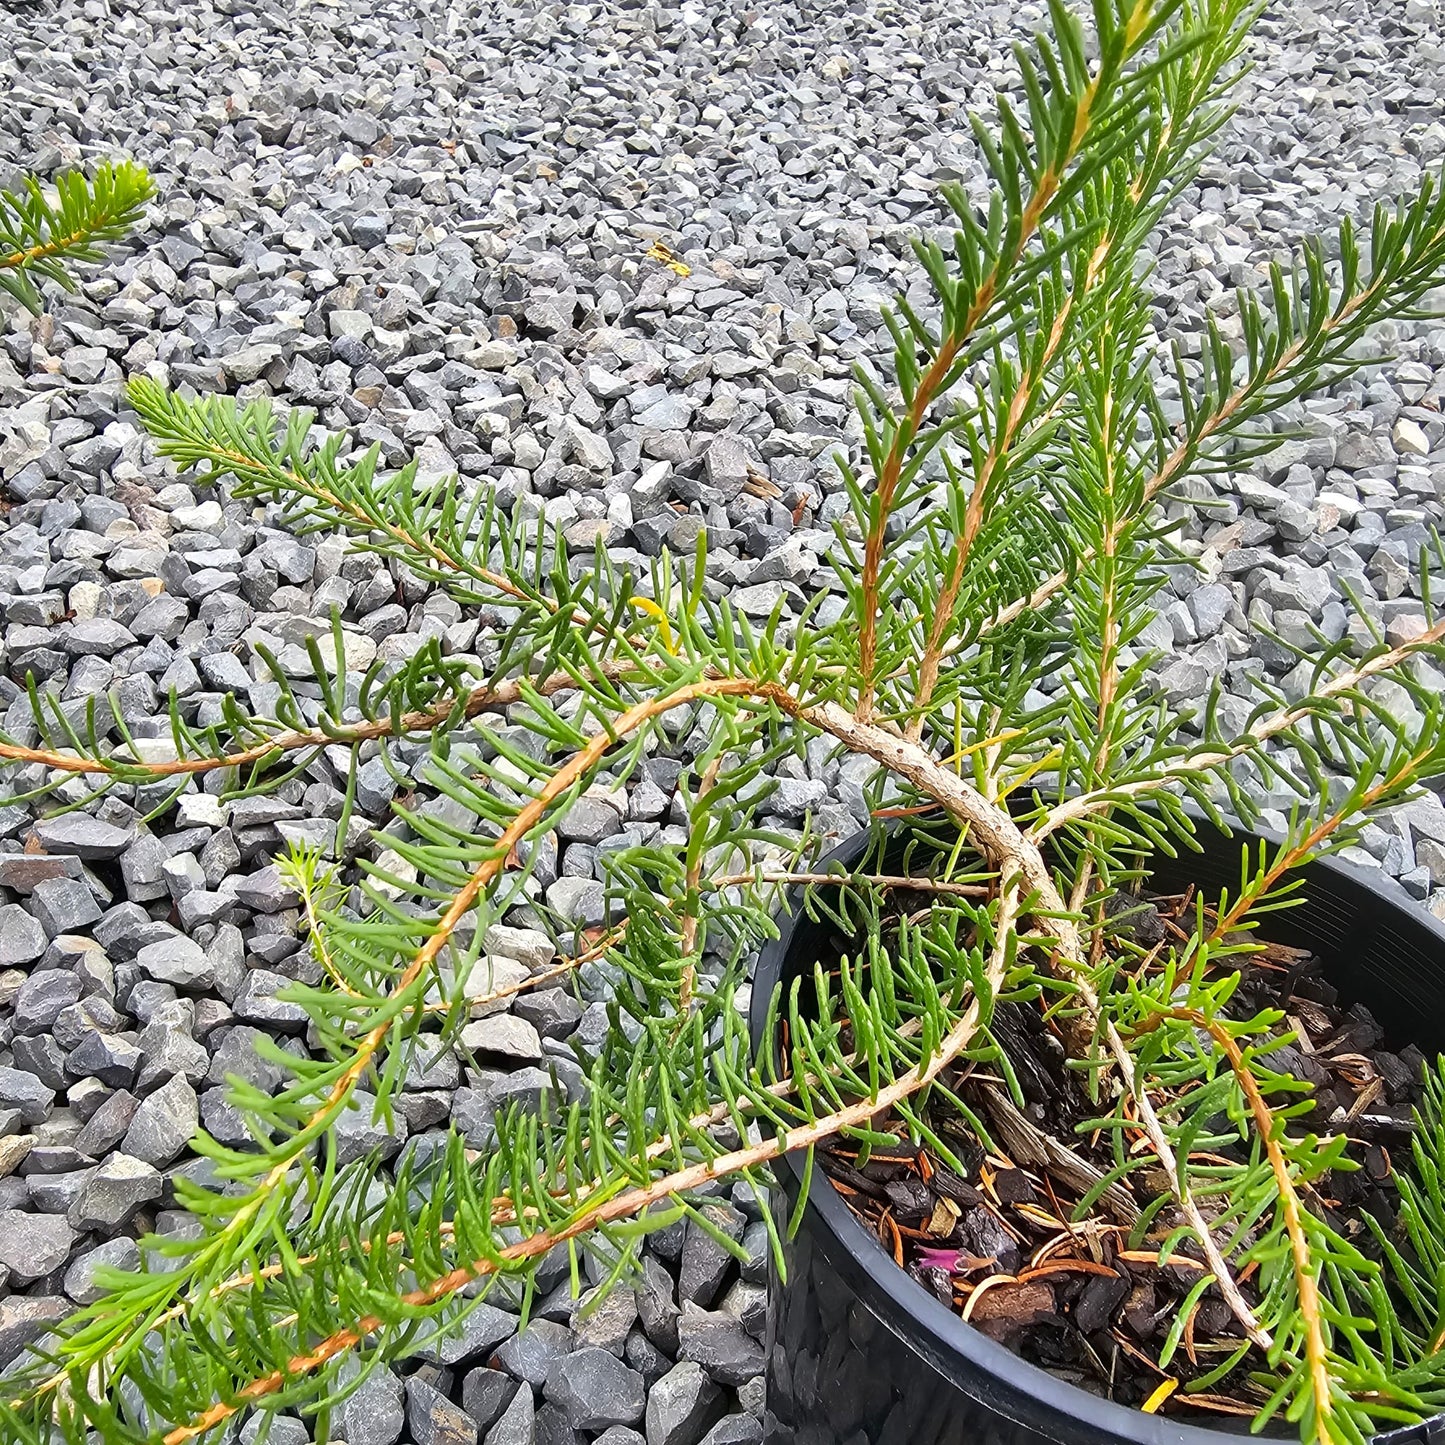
{"x":530,"y":1354}
{"x":24,"y":1319}
{"x":432,"y":1419}
{"x":681,"y":1406}
{"x":26,"y":1093}
{"x":486,"y":1393}
{"x":63,"y":905}
{"x":164,"y":1123}
{"x":705,"y":1263}
{"x":735,"y":1430}
{"x":42,"y":997}
{"x":373,"y":1413}
{"x":22,"y":939}
{"x":484,"y":1328}
{"x":657,"y":1308}
{"x":83,"y":836}
{"x":33,"y":1245}
{"x":517,"y":1424}
{"x":80,"y":1278}
{"x":719,"y":1343}
{"x":595,"y":1389}
{"x":114,"y":1192}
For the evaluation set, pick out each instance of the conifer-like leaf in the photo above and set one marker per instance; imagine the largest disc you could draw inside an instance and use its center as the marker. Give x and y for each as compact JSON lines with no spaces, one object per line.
{"x":42,"y":238}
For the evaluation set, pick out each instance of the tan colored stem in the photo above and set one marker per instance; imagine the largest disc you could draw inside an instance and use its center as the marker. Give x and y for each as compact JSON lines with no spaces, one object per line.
{"x":1183,"y":453}
{"x":973,"y":515}
{"x":1306,"y":1283}
{"x":876,"y":880}
{"x":1202,"y":759}
{"x":631,"y":1203}
{"x":1320,"y":833}
{"x":694,"y":876}
{"x":931,"y":383}
{"x":55,"y":246}
{"x":479,"y":700}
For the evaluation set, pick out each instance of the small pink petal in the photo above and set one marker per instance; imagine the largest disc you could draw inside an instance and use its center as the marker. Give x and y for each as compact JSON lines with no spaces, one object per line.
{"x":937,"y":1259}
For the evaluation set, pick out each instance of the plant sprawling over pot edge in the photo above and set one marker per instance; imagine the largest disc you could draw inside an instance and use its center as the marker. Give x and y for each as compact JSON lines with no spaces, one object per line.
{"x":1010,"y":518}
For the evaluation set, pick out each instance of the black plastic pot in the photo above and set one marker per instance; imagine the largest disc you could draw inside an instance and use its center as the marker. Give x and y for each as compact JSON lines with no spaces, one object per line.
{"x":860,"y":1354}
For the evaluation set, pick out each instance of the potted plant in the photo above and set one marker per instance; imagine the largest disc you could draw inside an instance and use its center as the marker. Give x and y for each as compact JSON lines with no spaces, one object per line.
{"x":864,"y":1350}
{"x":1004,"y":531}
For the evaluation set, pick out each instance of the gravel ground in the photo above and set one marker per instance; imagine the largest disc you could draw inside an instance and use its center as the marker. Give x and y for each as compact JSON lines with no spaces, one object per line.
{"x":429,"y":222}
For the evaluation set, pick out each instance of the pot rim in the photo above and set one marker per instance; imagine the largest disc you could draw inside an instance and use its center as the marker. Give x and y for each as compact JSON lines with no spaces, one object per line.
{"x":950,"y":1335}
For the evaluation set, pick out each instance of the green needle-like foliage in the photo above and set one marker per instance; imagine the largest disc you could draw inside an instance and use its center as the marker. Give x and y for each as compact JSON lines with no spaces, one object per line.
{"x":41,"y":239}
{"x":1007,"y":523}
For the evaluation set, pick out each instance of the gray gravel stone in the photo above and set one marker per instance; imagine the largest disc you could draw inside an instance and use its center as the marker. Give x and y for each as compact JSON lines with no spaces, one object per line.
{"x":163,"y":1124}
{"x":432,"y":1419}
{"x":705,"y":1263}
{"x":645,"y":1357}
{"x":24,"y":1319}
{"x":33,"y":1245}
{"x":179,"y":961}
{"x":484,"y":1328}
{"x":486,"y":1393}
{"x":280,"y":1430}
{"x":517,"y":1424}
{"x":719,"y":1343}
{"x":530,"y":1354}
{"x":22,"y":939}
{"x":657,"y":1305}
{"x":727,"y":466}
{"x":505,"y":1035}
{"x":579,"y":902}
{"x":80,"y":1278}
{"x":361,"y":1131}
{"x":42,"y":997}
{"x":114,"y":1192}
{"x":373,"y":1414}
{"x":528,"y":946}
{"x":83,"y":836}
{"x":681,"y":1406}
{"x":602,"y":1320}
{"x":63,"y":905}
{"x":589,"y":820}
{"x":735,"y":1430}
{"x":26,"y":1094}
{"x":595,"y":1389}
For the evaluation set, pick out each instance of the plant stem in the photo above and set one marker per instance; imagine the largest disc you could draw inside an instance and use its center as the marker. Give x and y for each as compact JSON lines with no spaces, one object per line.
{"x":633,"y":1202}
{"x":694,"y":874}
{"x":1014,"y":417}
{"x":1084,"y":804}
{"x":1306,"y":1282}
{"x":934,"y":381}
{"x":479,"y":700}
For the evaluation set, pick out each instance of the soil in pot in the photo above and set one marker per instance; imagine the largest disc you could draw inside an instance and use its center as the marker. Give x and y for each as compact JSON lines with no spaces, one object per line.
{"x":1082,"y":1294}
